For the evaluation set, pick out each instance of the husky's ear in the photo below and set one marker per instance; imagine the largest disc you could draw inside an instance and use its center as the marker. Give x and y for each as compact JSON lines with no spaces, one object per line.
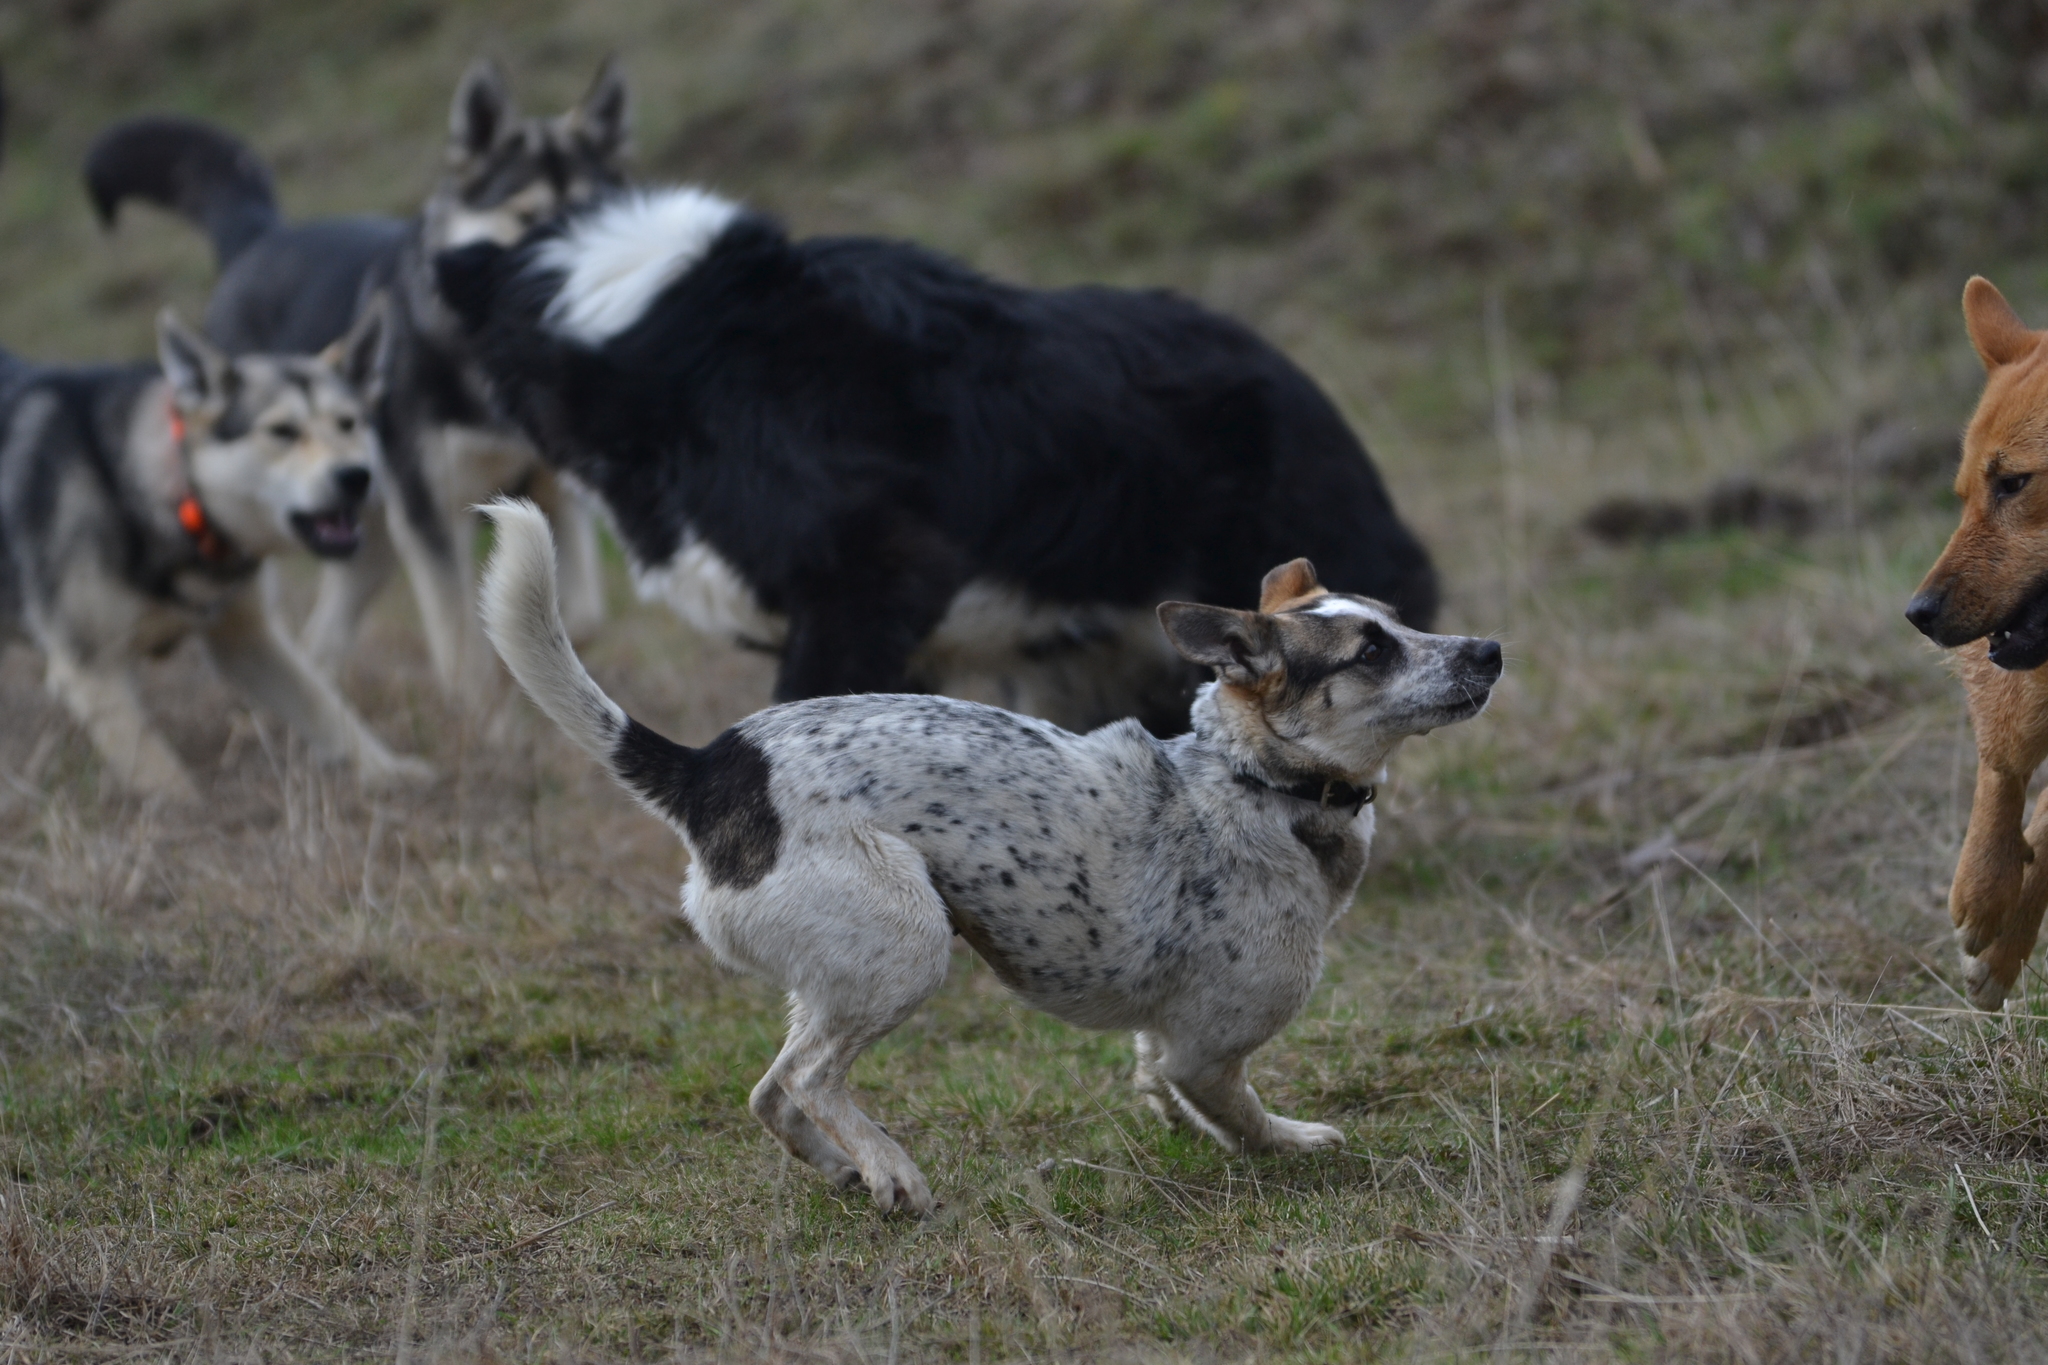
{"x":363,"y":357}
{"x":599,"y":119}
{"x":464,"y":277}
{"x":198,"y":373}
{"x":482,"y":110}
{"x":1995,"y":330}
{"x":1242,"y":646}
{"x":1295,"y":578}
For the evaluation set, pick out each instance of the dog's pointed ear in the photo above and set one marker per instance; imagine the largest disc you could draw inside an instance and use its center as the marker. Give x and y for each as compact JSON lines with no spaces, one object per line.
{"x":1295,"y":578}
{"x":464,"y":278}
{"x":198,"y":373}
{"x":482,"y":110}
{"x":363,"y":357}
{"x":1242,"y":646}
{"x":1995,"y":330}
{"x":599,"y":118}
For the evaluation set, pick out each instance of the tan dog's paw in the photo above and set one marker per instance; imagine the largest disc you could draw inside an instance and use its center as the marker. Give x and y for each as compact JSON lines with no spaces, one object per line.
{"x":1988,"y":979}
{"x":1292,"y":1135}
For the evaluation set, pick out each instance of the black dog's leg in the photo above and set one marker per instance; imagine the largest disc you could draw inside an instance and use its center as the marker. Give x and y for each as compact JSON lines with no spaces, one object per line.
{"x":857,"y":617}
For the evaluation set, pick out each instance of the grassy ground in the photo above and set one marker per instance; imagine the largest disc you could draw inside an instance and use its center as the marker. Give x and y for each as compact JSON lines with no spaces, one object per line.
{"x":1643,"y":1030}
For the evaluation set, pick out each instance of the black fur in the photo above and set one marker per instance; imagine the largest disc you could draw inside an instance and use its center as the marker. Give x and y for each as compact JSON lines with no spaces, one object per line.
{"x":718,"y":792}
{"x":860,"y":427}
{"x":191,"y":168}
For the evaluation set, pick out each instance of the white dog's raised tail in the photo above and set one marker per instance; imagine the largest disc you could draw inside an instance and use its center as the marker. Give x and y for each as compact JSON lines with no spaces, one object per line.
{"x":523,"y":618}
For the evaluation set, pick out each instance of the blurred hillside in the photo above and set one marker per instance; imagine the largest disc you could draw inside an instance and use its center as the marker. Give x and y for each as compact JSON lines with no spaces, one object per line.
{"x":1648,"y":189}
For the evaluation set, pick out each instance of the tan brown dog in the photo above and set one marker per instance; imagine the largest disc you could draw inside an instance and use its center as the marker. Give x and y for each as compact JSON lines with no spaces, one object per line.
{"x":1988,"y":593}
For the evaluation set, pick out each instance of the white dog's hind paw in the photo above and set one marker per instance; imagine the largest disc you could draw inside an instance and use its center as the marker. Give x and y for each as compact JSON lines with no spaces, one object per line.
{"x":1292,"y":1135}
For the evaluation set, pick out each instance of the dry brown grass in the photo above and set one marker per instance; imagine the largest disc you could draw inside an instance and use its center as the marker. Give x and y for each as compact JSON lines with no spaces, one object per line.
{"x":1641,"y":1031}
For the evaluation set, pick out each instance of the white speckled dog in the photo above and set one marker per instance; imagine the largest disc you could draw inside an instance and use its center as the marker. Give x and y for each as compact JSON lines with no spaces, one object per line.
{"x":1179,"y":888}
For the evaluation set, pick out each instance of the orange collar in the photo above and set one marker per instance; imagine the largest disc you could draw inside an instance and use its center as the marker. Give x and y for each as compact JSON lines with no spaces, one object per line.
{"x":191,"y":516}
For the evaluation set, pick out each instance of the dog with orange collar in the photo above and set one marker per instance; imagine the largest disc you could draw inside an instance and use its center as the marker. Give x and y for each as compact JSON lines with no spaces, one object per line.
{"x":139,"y":502}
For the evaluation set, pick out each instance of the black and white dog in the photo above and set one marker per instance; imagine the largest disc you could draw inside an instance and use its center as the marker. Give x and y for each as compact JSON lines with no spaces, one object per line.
{"x":137,"y":505}
{"x":1178,"y":888}
{"x":902,"y":474}
{"x":295,"y":287}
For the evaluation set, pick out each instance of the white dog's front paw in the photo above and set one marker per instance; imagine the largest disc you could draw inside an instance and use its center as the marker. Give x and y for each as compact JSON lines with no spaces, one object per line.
{"x":900,"y":1190}
{"x":1292,"y":1135}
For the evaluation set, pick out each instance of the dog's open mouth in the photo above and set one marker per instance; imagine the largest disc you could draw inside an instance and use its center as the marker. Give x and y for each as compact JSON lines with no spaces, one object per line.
{"x":2021,"y":640}
{"x":333,"y":534}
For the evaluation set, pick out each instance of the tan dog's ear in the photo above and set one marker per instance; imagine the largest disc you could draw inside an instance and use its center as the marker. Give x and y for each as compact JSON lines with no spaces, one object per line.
{"x":1995,"y":330}
{"x":1242,"y":646}
{"x":1295,"y":578}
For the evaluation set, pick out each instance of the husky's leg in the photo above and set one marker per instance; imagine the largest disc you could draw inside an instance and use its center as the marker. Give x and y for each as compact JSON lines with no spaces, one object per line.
{"x":258,"y":659}
{"x":104,"y":701}
{"x":347,"y":588}
{"x":444,"y":584}
{"x":581,"y":569}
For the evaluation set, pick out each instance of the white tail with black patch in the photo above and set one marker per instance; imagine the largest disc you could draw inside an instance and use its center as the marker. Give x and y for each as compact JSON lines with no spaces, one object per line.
{"x":716,"y":796}
{"x":523,"y":618}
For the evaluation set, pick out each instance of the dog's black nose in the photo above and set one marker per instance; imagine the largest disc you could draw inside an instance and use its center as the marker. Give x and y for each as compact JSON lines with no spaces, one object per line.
{"x":354,"y":481}
{"x":1484,"y":656}
{"x":1925,"y":609}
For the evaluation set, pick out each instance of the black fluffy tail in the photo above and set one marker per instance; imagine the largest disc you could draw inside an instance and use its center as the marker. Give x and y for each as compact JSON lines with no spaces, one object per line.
{"x":191,"y":168}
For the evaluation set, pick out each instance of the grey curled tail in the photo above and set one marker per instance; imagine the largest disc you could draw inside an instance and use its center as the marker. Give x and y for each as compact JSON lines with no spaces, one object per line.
{"x":206,"y":176}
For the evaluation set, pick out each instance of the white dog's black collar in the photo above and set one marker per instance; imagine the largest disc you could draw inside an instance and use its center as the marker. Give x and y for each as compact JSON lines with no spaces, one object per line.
{"x":1330,"y":793}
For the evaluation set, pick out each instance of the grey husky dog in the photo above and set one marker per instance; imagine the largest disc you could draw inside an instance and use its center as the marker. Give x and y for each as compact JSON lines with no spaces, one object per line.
{"x":294,"y":288}
{"x":1179,"y":888}
{"x":137,"y":505}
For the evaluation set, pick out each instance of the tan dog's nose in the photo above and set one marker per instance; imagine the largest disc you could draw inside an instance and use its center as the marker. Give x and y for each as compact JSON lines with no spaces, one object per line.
{"x":1924,"y":611}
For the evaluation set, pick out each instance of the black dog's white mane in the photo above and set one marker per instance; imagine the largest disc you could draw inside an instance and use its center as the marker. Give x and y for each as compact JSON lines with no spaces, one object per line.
{"x":861,"y":428}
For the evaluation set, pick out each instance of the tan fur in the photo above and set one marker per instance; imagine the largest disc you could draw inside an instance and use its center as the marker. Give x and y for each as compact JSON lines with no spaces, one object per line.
{"x":1290,"y":585}
{"x":1997,"y":557}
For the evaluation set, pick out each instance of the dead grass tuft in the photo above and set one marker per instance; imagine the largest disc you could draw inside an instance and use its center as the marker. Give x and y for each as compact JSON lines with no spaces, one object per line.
{"x":76,"y":1286}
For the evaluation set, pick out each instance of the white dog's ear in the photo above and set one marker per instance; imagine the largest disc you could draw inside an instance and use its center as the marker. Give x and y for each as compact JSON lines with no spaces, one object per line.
{"x":198,"y":373}
{"x":1242,"y":646}
{"x":363,"y":357}
{"x":482,"y":110}
{"x":599,"y":118}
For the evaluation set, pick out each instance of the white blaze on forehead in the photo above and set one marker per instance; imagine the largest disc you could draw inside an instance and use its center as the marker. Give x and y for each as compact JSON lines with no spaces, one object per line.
{"x":1333,"y":605}
{"x":616,"y":259}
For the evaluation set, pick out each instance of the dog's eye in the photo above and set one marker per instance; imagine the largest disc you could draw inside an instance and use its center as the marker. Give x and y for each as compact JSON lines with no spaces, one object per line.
{"x":285,"y":433}
{"x":2009,"y":486}
{"x":345,"y":424}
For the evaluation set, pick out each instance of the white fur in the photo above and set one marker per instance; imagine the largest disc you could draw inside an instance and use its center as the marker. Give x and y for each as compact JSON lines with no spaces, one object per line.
{"x":1334,"y":605}
{"x":1191,"y":904}
{"x":524,"y":621}
{"x":701,"y":586}
{"x":616,"y":259}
